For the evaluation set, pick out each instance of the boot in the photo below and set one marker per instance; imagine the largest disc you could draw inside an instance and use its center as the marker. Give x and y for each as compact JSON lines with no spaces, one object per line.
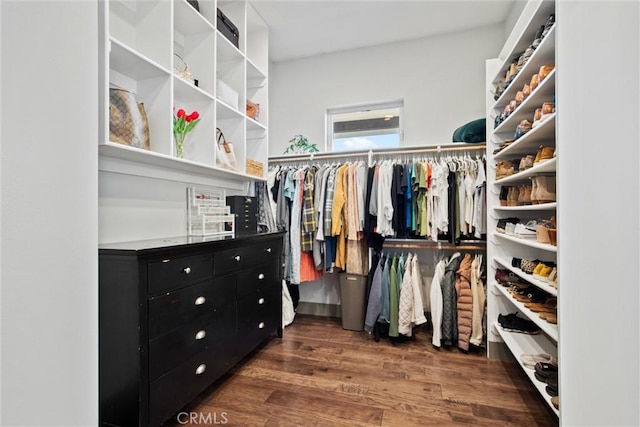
{"x":546,"y":189}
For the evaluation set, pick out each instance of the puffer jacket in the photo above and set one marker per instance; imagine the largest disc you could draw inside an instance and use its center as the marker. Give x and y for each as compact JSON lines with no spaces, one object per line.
{"x":465,"y":302}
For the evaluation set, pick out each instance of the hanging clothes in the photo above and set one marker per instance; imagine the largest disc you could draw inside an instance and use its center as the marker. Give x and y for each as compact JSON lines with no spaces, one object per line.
{"x":479,"y":299}
{"x":436,"y":303}
{"x":394,"y":298}
{"x":374,"y":305}
{"x":464,"y":304}
{"x":449,"y":301}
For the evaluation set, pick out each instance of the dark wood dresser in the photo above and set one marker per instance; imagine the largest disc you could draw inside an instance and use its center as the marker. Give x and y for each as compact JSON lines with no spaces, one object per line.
{"x":176,"y":314}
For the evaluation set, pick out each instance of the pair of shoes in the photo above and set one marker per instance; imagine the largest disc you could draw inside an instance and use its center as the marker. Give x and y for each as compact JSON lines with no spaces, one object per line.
{"x":513,"y":195}
{"x":529,"y":295}
{"x":505,"y":168}
{"x":552,"y":384}
{"x":524,"y":195}
{"x":542,"y":113}
{"x":523,"y":127}
{"x":542,"y":271}
{"x":545,"y":229}
{"x":507,"y":277}
{"x":544,"y":71}
{"x":543,"y":189}
{"x":513,"y":323}
{"x":555,"y":401}
{"x":550,"y":305}
{"x":530,"y":360}
{"x":526,"y":231}
{"x":544,"y":153}
{"x":502,"y":223}
{"x":544,"y":370}
{"x":526,"y":162}
{"x":552,"y":280}
{"x":549,"y":317}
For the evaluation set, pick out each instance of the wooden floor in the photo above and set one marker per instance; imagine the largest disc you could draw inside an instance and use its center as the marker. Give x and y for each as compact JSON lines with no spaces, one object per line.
{"x":319,"y":374}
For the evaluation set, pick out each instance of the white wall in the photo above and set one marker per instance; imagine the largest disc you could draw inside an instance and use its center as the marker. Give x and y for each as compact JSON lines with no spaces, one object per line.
{"x":598,"y":233}
{"x":441,"y":80}
{"x":138,"y":208}
{"x":48,"y":199}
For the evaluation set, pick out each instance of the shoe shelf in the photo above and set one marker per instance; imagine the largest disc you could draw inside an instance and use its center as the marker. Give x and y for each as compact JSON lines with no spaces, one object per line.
{"x":540,"y":207}
{"x":549,"y":329}
{"x":543,"y":55}
{"x":547,"y":166}
{"x":542,"y":134}
{"x":525,"y":37}
{"x":532,"y":243}
{"x":506,"y":265}
{"x":544,"y":92}
{"x":520,"y":344}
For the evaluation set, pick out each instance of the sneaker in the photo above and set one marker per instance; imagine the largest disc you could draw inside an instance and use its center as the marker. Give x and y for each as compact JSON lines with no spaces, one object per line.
{"x":502,"y":223}
{"x":513,"y":323}
{"x":525,"y":231}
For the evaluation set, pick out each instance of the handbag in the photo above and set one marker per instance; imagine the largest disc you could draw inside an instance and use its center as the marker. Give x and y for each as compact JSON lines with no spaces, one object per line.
{"x":184,"y":71}
{"x":128,"y":123}
{"x":253,"y":110}
{"x":194,"y":4}
{"x":225,"y":157}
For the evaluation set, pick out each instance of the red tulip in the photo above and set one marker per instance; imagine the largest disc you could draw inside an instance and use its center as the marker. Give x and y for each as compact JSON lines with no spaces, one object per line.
{"x":180,"y":113}
{"x":191,"y":117}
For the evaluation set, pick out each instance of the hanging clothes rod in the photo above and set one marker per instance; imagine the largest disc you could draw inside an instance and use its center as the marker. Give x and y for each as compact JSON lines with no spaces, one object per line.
{"x":428,"y":244}
{"x":377,"y":152}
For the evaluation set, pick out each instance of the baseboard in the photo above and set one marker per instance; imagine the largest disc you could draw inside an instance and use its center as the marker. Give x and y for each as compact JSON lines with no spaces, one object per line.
{"x":319,"y":309}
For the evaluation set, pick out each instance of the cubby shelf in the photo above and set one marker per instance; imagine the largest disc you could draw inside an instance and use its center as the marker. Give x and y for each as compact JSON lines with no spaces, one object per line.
{"x":144,"y":41}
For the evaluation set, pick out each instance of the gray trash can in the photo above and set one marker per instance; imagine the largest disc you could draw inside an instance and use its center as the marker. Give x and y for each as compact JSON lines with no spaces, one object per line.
{"x":353,"y":296}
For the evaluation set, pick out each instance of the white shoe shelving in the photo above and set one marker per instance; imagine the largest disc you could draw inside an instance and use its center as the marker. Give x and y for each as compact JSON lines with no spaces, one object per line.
{"x":502,"y":248}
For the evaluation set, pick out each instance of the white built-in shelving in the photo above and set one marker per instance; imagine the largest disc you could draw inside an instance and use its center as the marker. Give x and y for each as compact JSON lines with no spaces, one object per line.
{"x":501,"y":247}
{"x":141,"y":41}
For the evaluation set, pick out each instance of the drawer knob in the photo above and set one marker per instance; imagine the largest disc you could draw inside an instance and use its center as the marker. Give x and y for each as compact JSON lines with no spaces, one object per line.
{"x":237,"y":257}
{"x":261,"y":325}
{"x":268,"y":250}
{"x":186,"y":270}
{"x":261,"y":276}
{"x":201,"y":334}
{"x":200,"y":300}
{"x":261,"y":301}
{"x":200,"y":369}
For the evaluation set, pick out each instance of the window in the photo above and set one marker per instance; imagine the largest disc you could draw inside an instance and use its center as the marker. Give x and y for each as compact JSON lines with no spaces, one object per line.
{"x":364,"y":127}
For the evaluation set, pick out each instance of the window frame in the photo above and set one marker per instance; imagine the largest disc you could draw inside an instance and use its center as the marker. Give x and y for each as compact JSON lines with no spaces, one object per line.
{"x":357,"y":108}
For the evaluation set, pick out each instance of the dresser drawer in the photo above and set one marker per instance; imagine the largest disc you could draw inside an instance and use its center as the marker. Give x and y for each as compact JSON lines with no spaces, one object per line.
{"x":173,"y":309}
{"x":230,"y":260}
{"x":259,"y":278}
{"x":173,"y":390}
{"x":170,"y":350}
{"x":258,"y":316}
{"x":175,"y":273}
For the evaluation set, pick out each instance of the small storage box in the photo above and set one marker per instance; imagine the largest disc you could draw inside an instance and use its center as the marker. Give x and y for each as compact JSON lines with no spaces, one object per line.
{"x":227,"y":28}
{"x":245,"y":210}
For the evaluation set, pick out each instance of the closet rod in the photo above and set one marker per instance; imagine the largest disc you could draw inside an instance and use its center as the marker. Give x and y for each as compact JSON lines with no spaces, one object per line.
{"x":427,"y":244}
{"x":376,"y":152}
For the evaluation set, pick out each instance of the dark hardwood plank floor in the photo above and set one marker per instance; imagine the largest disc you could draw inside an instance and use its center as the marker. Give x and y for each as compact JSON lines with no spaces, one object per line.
{"x":319,"y":374}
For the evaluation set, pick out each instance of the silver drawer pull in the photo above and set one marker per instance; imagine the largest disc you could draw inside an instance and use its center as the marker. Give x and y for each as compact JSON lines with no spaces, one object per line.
{"x":261,"y":301}
{"x":237,"y":257}
{"x":200,"y":300}
{"x":261,"y":325}
{"x":201,"y":334}
{"x":186,"y":270}
{"x":260,"y":276}
{"x":268,"y":250}
{"x":200,"y":369}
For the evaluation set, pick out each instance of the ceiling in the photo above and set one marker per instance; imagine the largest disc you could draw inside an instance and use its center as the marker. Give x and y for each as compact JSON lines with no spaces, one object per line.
{"x":301,"y":28}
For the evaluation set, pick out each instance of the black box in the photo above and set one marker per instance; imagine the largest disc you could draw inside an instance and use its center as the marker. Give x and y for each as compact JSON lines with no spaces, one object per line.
{"x":226,"y":27}
{"x":245,"y":210}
